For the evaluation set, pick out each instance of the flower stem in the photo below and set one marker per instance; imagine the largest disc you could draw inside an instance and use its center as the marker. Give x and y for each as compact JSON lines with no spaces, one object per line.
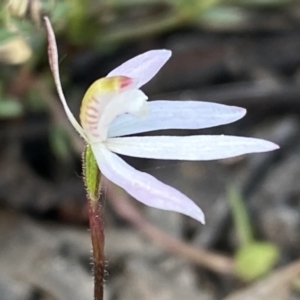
{"x":92,"y":182}
{"x":97,"y":236}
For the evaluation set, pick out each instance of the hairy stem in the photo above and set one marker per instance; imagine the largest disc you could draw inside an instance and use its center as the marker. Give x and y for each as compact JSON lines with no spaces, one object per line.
{"x":97,"y":236}
{"x":92,"y":182}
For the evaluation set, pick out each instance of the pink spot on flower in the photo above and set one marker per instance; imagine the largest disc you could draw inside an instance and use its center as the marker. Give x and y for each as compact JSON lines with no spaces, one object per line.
{"x":125,"y":82}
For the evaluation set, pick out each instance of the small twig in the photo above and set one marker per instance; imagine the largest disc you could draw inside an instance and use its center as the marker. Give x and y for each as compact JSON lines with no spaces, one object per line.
{"x":212,"y":261}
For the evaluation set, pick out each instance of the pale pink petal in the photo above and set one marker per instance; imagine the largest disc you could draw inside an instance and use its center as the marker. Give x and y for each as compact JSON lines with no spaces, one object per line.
{"x":165,"y":114}
{"x":142,"y":186}
{"x":198,"y":147}
{"x":53,"y":61}
{"x":143,"y":67}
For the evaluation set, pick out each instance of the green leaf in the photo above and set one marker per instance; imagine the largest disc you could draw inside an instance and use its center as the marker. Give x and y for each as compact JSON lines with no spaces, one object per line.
{"x":255,"y":260}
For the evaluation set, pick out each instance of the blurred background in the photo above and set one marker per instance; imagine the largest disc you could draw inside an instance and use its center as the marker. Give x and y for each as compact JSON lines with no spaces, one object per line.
{"x":240,"y":52}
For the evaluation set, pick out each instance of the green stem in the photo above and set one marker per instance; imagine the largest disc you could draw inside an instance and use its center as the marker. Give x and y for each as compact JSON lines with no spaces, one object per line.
{"x":240,"y":216}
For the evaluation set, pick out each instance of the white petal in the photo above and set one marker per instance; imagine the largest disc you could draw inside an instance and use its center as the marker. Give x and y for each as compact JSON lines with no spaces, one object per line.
{"x":131,"y":101}
{"x":144,"y":187}
{"x":199,"y":147}
{"x":53,"y":61}
{"x":143,"y":67}
{"x":176,"y":115}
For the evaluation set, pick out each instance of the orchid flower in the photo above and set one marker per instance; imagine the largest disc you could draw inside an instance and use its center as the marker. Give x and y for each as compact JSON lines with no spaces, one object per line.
{"x":115,"y":106}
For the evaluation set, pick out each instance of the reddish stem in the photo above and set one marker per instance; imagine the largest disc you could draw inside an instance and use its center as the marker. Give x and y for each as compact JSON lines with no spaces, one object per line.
{"x":97,"y":236}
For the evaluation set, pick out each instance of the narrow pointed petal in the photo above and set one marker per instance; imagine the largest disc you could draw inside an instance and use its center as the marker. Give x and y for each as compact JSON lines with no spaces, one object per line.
{"x":199,"y":147}
{"x":143,"y":67}
{"x":144,"y":187}
{"x":176,"y":115}
{"x":53,"y":61}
